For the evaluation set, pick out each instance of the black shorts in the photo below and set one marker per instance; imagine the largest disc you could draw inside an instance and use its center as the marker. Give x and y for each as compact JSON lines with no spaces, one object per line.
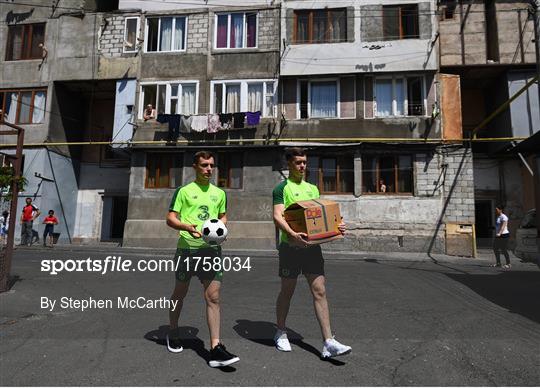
{"x":196,"y":262}
{"x":49,"y":230}
{"x":293,"y":261}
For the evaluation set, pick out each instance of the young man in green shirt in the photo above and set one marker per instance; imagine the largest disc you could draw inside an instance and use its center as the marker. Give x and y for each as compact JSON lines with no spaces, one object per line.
{"x":296,"y":256}
{"x":190,"y":207}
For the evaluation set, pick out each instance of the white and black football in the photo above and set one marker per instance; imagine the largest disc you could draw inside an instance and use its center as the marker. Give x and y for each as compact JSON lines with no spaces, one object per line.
{"x":214,"y":232}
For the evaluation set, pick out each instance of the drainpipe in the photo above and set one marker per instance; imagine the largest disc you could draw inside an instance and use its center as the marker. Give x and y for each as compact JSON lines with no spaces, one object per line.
{"x":536,"y":8}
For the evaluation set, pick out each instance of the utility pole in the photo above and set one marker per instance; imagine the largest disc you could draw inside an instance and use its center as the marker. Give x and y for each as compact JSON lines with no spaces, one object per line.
{"x":5,"y":261}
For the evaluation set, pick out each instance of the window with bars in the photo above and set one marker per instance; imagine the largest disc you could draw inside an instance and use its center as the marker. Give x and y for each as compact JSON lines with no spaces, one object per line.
{"x":400,"y":22}
{"x":320,"y":26}
{"x":24,"y":106}
{"x":230,"y":170}
{"x":331,"y":174}
{"x":236,"y":30}
{"x":387,"y":174}
{"x":163,"y":170}
{"x":23,"y":41}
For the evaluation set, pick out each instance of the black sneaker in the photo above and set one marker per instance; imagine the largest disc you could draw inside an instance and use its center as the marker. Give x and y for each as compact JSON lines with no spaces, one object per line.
{"x":219,"y":356}
{"x":173,"y":345}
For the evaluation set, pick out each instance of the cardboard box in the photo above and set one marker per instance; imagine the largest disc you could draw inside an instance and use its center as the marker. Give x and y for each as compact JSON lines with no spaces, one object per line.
{"x":318,"y":218}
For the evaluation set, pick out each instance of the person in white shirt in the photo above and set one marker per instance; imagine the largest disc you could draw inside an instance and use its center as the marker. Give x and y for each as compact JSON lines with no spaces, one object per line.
{"x":502,"y":235}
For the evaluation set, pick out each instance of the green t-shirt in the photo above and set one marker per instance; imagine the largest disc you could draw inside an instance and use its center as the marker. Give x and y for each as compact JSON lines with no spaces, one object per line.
{"x":196,"y":204}
{"x":289,"y":192}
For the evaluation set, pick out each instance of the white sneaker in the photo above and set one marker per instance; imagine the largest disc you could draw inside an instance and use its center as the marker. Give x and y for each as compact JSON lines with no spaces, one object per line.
{"x":173,"y":345}
{"x":333,"y":348}
{"x":282,"y":342}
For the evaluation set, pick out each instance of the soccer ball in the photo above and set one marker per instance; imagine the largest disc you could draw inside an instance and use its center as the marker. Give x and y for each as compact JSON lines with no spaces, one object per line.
{"x":214,"y":232}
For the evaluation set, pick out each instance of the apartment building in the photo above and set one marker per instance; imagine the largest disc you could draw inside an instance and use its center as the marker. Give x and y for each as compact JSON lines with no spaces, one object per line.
{"x":52,"y":84}
{"x":490,"y":45}
{"x":356,"y":83}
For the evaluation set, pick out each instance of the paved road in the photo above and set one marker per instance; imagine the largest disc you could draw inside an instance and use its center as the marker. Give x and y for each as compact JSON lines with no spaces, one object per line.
{"x":409,"y":320}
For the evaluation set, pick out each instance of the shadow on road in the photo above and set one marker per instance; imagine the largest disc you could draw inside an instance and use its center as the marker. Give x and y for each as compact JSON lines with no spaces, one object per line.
{"x":516,"y":291}
{"x":262,"y":332}
{"x":189,"y":340}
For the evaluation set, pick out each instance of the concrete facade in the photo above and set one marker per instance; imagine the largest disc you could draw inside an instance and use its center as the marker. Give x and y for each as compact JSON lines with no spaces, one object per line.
{"x":491,"y":46}
{"x":73,"y":113}
{"x":87,"y":102}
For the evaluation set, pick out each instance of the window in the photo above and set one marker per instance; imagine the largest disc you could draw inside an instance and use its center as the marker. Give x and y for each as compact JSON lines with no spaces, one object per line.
{"x":230,"y":170}
{"x":170,"y":97}
{"x":387,"y":174}
{"x":318,"y":99}
{"x":163,"y":170}
{"x":331,"y":174}
{"x":400,"y":22}
{"x":236,"y":30}
{"x":399,"y":96}
{"x":244,"y":96}
{"x":320,"y":26}
{"x":131,"y":31}
{"x":24,"y":40}
{"x":448,"y":9}
{"x":166,"y":34}
{"x":25,"y":106}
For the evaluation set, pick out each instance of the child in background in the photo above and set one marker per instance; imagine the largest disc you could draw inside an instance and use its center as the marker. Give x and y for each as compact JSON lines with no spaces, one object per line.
{"x":50,"y":221}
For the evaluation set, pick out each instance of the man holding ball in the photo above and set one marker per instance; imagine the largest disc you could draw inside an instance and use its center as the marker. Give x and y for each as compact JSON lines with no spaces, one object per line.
{"x":190,"y":207}
{"x":296,"y":256}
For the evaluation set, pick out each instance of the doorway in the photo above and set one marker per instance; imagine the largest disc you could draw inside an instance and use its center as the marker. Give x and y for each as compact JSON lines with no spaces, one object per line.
{"x":483,"y":212}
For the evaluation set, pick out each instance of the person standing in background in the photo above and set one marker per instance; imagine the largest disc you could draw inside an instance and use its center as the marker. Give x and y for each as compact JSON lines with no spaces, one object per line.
{"x":502,"y":235}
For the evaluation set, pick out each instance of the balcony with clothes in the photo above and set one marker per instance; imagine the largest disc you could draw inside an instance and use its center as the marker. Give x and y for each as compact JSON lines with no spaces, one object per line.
{"x":239,"y":111}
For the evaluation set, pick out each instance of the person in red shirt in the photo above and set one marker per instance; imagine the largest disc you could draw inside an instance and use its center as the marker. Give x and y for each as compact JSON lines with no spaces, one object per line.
{"x":29,"y":214}
{"x":50,"y":221}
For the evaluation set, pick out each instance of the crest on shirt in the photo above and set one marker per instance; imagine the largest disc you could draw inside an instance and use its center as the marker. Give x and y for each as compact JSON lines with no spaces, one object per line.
{"x":214,"y":198}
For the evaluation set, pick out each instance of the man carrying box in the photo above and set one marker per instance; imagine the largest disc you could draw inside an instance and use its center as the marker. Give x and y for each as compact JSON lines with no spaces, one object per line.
{"x":296,"y":256}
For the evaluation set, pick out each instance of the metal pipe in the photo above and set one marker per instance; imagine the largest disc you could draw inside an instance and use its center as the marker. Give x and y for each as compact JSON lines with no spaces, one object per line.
{"x":4,"y":275}
{"x":503,"y":106}
{"x":292,"y":139}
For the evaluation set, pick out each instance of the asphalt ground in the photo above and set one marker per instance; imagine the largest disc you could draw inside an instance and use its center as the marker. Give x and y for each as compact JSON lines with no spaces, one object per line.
{"x":410,"y":319}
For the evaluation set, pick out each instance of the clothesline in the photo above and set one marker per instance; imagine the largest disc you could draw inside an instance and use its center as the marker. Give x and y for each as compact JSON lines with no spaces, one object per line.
{"x":211,"y":123}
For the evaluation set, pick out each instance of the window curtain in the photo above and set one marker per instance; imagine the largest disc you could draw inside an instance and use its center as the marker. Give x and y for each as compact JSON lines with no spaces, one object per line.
{"x":233,"y":99}
{"x":26,"y":102}
{"x":237,"y":30}
{"x":338,"y":27}
{"x":11,"y":107}
{"x":166,"y":34}
{"x":383,"y":95}
{"x":323,"y":99}
{"x":302,"y":34}
{"x":222,"y":31}
{"x":400,"y":97}
{"x":162,"y":92}
{"x":255,"y":93}
{"x":16,"y":42}
{"x":319,"y":26}
{"x":251,"y":19}
{"x":38,"y":35}
{"x":269,"y":99}
{"x":329,"y":169}
{"x":188,"y":99}
{"x":179,"y":28}
{"x":39,"y":108}
{"x":131,"y":35}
